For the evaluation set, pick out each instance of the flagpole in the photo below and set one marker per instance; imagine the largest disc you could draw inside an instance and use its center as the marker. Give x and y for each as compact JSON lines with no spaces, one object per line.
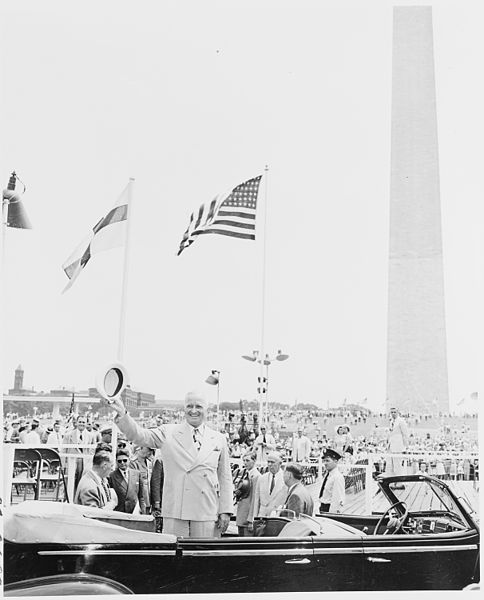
{"x":262,"y":413}
{"x":124,"y":293}
{"x":3,"y":232}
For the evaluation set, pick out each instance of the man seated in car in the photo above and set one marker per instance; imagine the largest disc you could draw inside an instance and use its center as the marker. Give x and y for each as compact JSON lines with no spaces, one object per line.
{"x":93,"y":488}
{"x":298,"y":498}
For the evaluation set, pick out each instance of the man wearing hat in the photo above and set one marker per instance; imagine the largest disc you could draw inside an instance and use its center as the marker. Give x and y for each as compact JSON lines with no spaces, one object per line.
{"x":106,"y":434}
{"x":142,"y":461}
{"x":298,"y":498}
{"x":33,"y":437}
{"x":332,"y":493}
{"x":13,"y":434}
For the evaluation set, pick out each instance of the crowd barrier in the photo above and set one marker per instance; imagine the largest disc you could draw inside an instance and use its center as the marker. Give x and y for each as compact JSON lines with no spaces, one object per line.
{"x":59,"y":471}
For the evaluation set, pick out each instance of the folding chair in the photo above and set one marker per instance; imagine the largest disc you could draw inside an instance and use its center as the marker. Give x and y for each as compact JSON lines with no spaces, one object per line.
{"x":27,"y":464}
{"x":55,"y":472}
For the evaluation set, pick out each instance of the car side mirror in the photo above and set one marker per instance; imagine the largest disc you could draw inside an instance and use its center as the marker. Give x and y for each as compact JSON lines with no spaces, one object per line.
{"x":111,"y":381}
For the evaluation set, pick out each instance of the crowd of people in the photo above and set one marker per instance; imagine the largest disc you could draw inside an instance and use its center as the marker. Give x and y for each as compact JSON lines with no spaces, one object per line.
{"x":181,"y":471}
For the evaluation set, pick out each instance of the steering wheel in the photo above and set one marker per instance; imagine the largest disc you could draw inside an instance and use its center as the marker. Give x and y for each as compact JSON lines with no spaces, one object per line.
{"x":400,"y":521}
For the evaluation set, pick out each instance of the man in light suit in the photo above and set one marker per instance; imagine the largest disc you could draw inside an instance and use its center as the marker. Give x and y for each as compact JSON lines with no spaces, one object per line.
{"x":301,"y":447}
{"x":197,"y":489}
{"x":270,"y":491}
{"x":298,"y":498}
{"x":128,"y":485}
{"x":79,"y":436}
{"x":93,"y":489}
{"x":263,"y":444}
{"x":397,"y":443}
{"x":142,"y":462}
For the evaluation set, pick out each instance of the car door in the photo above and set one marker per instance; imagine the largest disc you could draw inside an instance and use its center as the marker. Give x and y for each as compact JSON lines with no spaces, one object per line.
{"x":420,"y":562}
{"x":247,"y":564}
{"x":338,"y":563}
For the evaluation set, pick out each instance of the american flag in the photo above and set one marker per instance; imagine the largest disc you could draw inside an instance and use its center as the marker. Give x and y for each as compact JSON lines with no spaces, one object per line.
{"x":231,"y":214}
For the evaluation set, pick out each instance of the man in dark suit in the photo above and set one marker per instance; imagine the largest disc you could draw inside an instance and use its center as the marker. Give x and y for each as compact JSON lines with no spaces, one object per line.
{"x":128,"y":485}
{"x":298,"y":498}
{"x":156,"y":492}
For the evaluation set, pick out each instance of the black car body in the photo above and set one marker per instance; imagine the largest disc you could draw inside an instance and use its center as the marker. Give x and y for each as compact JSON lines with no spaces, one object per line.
{"x":435,"y":547}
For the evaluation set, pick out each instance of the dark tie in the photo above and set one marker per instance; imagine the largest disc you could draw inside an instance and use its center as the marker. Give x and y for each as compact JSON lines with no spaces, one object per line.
{"x":196,"y":439}
{"x":324,"y":483}
{"x":80,"y":441}
{"x":106,"y":490}
{"x":288,"y":496}
{"x":272,"y":483}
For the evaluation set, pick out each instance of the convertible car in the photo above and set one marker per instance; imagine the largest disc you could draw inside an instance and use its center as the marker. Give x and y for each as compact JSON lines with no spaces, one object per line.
{"x":428,"y":541}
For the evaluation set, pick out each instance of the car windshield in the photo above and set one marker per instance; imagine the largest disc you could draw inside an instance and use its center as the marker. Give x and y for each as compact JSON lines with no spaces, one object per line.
{"x":423,"y":496}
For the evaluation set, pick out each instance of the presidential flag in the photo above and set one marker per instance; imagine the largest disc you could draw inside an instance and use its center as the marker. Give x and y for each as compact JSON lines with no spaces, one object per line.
{"x":231,"y":214}
{"x":109,"y":232}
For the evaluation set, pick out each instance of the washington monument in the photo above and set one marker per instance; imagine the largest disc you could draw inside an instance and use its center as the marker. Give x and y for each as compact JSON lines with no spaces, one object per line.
{"x":416,"y":352}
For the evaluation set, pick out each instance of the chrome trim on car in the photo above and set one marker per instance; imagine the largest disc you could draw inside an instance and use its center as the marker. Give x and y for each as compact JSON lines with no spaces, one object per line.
{"x":251,"y":552}
{"x":398,"y":549}
{"x":329,"y":550}
{"x":87,"y":552}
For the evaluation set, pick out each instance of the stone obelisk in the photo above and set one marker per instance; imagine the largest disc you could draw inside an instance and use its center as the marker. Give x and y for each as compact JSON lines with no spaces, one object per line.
{"x":416,"y":352}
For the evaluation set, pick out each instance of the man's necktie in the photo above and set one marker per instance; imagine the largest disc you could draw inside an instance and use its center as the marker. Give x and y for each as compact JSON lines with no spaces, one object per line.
{"x":196,"y":439}
{"x":273,"y":482}
{"x":324,"y":484}
{"x":80,"y":441}
{"x":107,"y":493}
{"x":264,"y":439}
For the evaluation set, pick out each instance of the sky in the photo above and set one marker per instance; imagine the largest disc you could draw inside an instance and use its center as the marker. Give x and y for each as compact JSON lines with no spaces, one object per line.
{"x":191,"y":98}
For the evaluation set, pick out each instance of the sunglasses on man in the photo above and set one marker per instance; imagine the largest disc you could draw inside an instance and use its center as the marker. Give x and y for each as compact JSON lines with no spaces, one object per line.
{"x":122,"y":460}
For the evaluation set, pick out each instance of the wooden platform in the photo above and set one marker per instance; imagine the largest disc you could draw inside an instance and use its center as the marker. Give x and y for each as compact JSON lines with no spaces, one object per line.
{"x":414,"y":495}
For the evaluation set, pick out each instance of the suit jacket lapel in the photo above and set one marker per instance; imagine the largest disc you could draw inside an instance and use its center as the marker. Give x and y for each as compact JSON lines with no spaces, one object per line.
{"x":121,"y":480}
{"x":184,"y":437}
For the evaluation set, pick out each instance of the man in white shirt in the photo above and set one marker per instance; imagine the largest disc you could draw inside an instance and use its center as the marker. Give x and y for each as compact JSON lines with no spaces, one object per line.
{"x":79,"y":437}
{"x":301,"y":447}
{"x":263,"y":444}
{"x":397,"y":444}
{"x":270,"y":491}
{"x":54,"y":438}
{"x":332,"y":492}
{"x":33,"y":437}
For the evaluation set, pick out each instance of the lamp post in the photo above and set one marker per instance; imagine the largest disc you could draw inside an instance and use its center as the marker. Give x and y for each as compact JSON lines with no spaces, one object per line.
{"x":214,"y":379}
{"x":264,"y":384}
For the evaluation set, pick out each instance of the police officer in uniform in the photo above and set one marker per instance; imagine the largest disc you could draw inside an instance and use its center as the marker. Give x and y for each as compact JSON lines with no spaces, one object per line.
{"x":332,"y":493}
